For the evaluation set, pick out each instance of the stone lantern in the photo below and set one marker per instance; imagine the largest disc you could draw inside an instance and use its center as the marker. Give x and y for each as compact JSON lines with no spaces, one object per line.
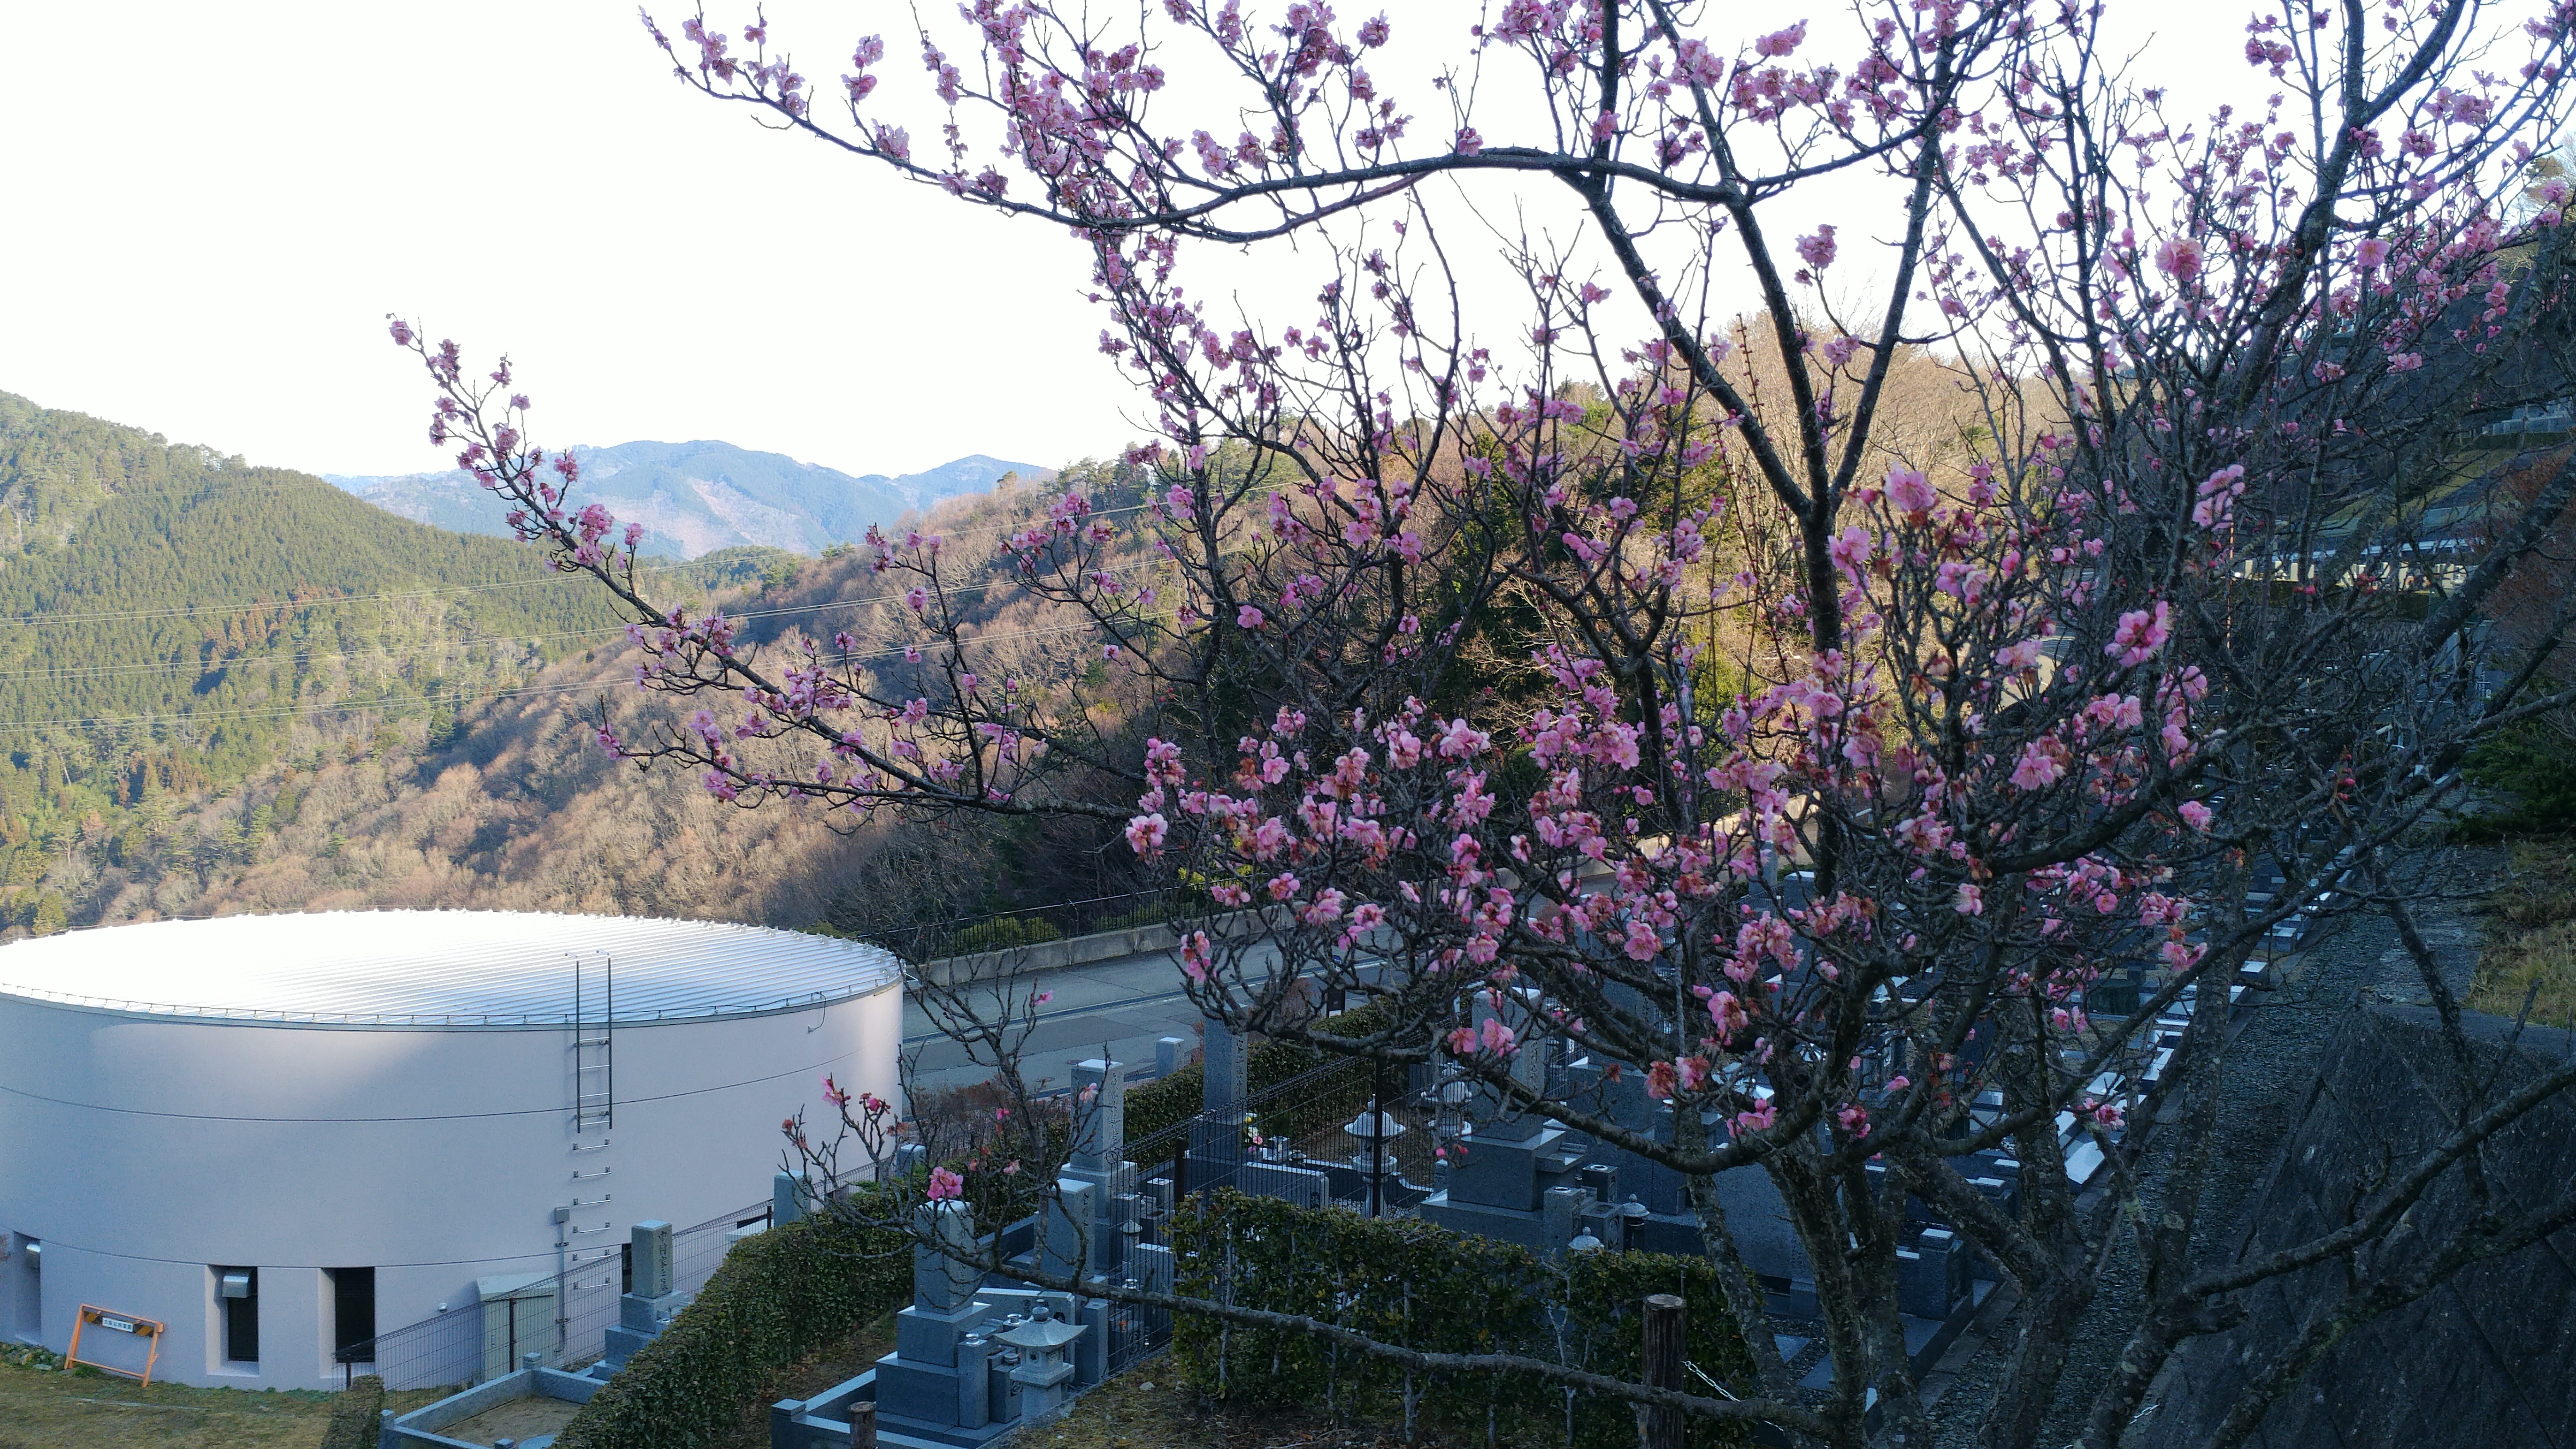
{"x":1046,"y":1371}
{"x":1374,"y":1126}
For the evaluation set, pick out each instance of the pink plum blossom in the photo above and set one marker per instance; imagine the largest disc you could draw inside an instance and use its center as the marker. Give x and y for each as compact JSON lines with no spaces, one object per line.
{"x":2179,"y":258}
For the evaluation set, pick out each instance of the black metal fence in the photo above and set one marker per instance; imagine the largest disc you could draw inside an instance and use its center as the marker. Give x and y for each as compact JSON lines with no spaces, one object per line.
{"x":449,"y":1349}
{"x":438,"y":1351}
{"x":1023,"y":926}
{"x":1319,"y":1121}
{"x":1291,"y":1139}
{"x":591,"y":1299}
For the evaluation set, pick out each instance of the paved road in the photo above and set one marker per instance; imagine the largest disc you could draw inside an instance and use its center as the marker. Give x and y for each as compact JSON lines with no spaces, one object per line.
{"x":1122,"y":1005}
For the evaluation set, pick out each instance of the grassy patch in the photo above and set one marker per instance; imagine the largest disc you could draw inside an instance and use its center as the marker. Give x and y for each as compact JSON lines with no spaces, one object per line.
{"x":2531,"y":936}
{"x":839,"y":1363}
{"x":43,"y":1408}
{"x":1152,"y":1407}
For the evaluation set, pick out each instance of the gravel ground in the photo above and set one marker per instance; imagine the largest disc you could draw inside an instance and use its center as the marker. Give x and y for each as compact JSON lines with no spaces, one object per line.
{"x":2266,"y":1076}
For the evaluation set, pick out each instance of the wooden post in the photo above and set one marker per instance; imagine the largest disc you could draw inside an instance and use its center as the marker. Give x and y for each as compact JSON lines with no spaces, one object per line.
{"x":863,"y":1424}
{"x":1661,"y":1428}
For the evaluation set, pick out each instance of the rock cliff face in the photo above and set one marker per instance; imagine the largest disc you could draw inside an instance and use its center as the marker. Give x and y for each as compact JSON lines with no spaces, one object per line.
{"x":2488,"y":1358}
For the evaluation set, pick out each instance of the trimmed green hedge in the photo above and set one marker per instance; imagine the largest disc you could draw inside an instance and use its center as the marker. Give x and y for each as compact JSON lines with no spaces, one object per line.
{"x":2536,"y":765}
{"x":1409,"y":1282}
{"x":778,"y":1296}
{"x":356,"y":1415}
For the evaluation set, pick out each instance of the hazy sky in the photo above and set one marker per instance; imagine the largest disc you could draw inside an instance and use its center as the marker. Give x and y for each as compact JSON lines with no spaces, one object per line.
{"x":211,"y":208}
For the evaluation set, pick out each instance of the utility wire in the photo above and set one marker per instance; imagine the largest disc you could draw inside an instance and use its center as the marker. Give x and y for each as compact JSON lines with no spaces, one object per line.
{"x":40,"y":619}
{"x":278,"y":656}
{"x":288,"y":656}
{"x":469,"y":697}
{"x":183,"y":611}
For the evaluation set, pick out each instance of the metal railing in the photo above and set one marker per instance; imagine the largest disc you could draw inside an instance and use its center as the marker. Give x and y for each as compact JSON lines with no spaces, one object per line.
{"x":447,"y":1349}
{"x":958,"y":935}
{"x":591,"y":1303}
{"x":437,"y":1352}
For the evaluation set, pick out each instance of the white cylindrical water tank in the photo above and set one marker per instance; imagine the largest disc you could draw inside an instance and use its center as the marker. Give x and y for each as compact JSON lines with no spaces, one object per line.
{"x":270,"y":1133}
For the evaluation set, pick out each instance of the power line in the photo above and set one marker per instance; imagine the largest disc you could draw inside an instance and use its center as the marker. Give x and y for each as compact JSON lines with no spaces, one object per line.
{"x":284,"y":656}
{"x":298,"y":711}
{"x":205,"y":610}
{"x":472,"y":697}
{"x":185,"y":611}
{"x":275,"y":657}
{"x":40,"y":620}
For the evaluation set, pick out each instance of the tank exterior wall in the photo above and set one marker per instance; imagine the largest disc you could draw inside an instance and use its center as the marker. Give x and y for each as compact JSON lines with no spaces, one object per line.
{"x":144,"y":1151}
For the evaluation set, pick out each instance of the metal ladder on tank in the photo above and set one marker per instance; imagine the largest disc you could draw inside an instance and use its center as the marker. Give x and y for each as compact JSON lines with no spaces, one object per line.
{"x":594,"y":1109}
{"x":594,"y":1045}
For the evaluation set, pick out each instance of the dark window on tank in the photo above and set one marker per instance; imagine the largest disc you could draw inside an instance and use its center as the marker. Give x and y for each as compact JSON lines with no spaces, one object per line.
{"x":237,"y":1293}
{"x":353,"y":1315}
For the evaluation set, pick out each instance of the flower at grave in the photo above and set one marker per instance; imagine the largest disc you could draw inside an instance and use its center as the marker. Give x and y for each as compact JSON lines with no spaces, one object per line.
{"x":945,"y":1185}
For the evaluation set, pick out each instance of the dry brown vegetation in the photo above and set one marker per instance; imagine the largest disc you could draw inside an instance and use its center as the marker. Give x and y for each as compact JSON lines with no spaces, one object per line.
{"x":2531,"y":937}
{"x":515,"y":807}
{"x":522,"y":811}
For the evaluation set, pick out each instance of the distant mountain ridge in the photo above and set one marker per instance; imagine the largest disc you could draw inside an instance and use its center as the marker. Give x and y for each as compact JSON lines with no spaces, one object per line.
{"x":696,"y":497}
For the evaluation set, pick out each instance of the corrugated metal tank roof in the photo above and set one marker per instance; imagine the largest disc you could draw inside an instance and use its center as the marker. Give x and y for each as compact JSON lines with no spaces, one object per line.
{"x":440,"y":968}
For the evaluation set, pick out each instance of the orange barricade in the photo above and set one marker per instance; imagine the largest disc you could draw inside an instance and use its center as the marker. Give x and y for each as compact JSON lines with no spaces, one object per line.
{"x":115,"y":1322}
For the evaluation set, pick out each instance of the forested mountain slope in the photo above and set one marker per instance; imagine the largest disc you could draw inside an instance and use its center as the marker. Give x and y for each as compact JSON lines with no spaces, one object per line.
{"x":173,"y":621}
{"x":513,"y":807}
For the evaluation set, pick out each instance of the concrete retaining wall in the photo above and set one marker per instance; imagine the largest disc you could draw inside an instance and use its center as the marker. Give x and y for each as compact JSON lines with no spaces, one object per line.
{"x":1085,"y":950}
{"x":422,"y":1425}
{"x":1051,"y":955}
{"x":2487,"y":1358}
